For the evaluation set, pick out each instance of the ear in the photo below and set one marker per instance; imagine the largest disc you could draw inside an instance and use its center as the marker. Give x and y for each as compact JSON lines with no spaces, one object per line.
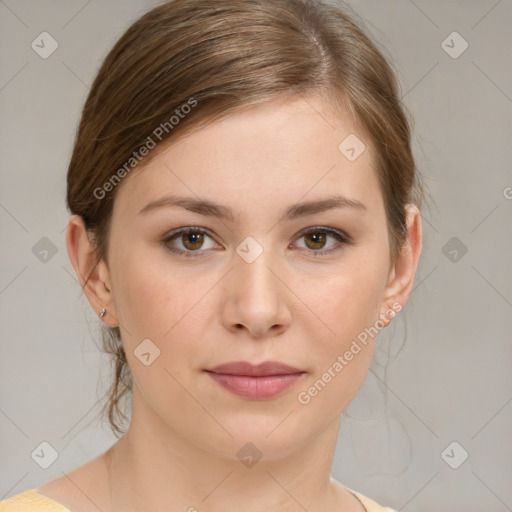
{"x":82,"y":255}
{"x":401,"y":277}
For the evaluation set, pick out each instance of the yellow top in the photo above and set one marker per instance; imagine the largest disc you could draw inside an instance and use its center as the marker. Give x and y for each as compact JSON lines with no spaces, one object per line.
{"x":32,"y":501}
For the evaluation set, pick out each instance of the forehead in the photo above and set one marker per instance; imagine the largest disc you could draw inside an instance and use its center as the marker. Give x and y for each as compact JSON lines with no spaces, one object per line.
{"x":283,"y":150}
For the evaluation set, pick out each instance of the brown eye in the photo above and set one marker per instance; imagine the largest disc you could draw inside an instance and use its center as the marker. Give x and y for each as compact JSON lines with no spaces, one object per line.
{"x":192,"y":240}
{"x":318,"y":240}
{"x":189,"y":241}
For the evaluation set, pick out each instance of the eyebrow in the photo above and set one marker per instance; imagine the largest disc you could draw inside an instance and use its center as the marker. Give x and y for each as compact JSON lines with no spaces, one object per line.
{"x":209,"y":208}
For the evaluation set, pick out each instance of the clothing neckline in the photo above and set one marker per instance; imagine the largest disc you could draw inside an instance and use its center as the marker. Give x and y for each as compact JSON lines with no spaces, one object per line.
{"x":359,"y":497}
{"x":51,"y":501}
{"x":35,"y":494}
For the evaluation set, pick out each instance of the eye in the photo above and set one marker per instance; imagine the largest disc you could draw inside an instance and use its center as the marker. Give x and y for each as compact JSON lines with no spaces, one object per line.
{"x":316,"y":240}
{"x":191,"y":239}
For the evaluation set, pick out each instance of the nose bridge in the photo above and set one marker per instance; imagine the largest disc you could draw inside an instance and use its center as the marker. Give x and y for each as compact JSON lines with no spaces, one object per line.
{"x":252,"y":268}
{"x":259,"y":298}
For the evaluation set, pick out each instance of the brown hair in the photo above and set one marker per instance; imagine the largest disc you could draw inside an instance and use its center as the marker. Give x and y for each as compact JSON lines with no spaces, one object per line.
{"x":224,"y":56}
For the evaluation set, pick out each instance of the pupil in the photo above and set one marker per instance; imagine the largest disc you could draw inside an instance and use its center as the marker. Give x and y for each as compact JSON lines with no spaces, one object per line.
{"x":193,"y":239}
{"x":317,"y":238}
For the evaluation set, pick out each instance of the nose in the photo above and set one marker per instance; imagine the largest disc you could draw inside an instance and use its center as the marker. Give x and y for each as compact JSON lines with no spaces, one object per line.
{"x":256,"y":298}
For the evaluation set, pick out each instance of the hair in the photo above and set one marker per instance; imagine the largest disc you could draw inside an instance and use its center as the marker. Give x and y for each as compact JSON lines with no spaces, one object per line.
{"x":223,"y":57}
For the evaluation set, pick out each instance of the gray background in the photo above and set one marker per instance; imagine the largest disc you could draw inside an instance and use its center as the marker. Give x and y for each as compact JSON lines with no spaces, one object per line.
{"x":450,"y":381}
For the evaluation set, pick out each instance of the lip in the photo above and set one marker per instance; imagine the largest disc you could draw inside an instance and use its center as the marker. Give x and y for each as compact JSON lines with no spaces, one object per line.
{"x":255,"y":382}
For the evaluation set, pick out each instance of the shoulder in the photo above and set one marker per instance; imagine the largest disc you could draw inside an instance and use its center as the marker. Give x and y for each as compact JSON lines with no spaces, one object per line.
{"x":31,"y":501}
{"x":72,"y":491}
{"x":368,"y":503}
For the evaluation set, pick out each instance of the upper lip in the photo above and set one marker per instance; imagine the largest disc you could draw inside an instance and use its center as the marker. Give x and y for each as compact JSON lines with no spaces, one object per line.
{"x":264,"y":369}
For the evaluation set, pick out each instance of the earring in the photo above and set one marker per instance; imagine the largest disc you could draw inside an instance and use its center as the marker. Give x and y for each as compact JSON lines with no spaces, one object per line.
{"x":102,"y":312}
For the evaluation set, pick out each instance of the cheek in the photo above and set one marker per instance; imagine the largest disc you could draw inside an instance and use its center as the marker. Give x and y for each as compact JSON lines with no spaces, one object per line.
{"x":155,"y":301}
{"x":349,"y":312}
{"x":348,"y":301}
{"x":348,"y":305}
{"x":149,"y":298}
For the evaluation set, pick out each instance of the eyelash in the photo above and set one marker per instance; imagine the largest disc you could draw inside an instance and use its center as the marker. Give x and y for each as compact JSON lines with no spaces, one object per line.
{"x":339,"y":236}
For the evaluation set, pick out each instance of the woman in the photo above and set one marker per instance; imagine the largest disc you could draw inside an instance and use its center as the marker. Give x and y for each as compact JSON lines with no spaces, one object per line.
{"x":244,"y":220}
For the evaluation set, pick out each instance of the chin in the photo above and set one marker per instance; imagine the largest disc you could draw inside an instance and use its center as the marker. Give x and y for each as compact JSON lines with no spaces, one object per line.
{"x":259,"y":435}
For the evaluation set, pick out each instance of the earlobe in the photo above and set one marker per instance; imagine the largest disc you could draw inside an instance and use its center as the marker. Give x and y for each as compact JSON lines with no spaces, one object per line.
{"x":402,"y":275}
{"x":93,"y":277}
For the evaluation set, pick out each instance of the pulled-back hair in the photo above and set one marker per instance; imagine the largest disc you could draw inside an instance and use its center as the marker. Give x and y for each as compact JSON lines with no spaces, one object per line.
{"x":186,"y":63}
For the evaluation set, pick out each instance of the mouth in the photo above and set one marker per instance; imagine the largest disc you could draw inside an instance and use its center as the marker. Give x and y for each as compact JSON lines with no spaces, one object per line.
{"x":255,"y":382}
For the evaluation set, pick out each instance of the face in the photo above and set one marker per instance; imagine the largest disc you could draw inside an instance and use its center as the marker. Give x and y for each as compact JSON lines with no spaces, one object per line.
{"x":255,"y":279}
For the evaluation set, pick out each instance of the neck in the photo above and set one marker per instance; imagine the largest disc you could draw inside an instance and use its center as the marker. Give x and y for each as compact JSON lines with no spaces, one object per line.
{"x":153,"y":468}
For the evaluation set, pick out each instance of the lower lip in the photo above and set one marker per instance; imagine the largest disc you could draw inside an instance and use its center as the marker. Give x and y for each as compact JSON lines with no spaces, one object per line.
{"x":256,"y":388}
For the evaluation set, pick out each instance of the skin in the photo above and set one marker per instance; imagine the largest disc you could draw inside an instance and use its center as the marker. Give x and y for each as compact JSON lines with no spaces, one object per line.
{"x":288,"y":305}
